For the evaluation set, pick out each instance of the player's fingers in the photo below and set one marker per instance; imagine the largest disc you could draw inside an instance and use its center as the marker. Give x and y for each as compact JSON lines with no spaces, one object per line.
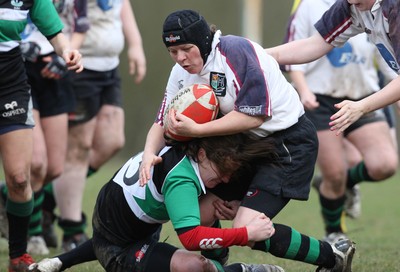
{"x":139,"y":72}
{"x":132,"y":68}
{"x":171,"y":117}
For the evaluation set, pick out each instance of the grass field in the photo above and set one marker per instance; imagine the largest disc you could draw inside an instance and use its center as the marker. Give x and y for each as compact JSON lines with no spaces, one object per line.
{"x":375,"y":233}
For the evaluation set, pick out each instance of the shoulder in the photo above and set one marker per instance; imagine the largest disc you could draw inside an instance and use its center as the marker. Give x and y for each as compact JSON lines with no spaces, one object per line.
{"x":238,"y":49}
{"x":337,"y":18}
{"x":232,"y":42}
{"x":390,"y":7}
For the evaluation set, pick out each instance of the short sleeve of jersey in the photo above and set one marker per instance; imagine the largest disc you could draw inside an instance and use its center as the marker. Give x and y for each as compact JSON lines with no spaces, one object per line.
{"x":181,"y":190}
{"x":244,"y":64}
{"x":337,"y":25}
{"x":44,"y":15}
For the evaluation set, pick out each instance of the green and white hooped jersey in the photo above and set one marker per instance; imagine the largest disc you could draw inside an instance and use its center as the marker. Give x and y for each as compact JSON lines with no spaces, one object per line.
{"x":161,"y":200}
{"x":13,"y":18}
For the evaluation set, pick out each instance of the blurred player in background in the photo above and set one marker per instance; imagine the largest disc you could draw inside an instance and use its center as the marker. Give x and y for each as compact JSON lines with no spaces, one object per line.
{"x":345,"y":19}
{"x":52,"y":100}
{"x":348,"y":72}
{"x":96,"y":125}
{"x":16,"y":136}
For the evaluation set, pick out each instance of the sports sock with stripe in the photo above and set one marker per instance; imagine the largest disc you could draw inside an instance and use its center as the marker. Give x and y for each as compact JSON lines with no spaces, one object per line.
{"x":290,"y":244}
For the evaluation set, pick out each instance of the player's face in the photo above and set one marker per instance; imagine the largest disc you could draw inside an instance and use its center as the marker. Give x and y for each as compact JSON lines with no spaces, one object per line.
{"x":362,"y":5}
{"x":188,"y":56}
{"x":209,"y":172}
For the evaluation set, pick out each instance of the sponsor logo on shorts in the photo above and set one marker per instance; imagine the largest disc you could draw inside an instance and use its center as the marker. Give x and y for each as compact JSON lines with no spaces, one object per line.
{"x":251,"y":193}
{"x":140,"y":253}
{"x":211,"y":243}
{"x":12,"y":109}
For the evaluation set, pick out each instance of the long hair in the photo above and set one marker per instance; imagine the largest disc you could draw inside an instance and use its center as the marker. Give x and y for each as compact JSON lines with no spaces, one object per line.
{"x":230,"y":153}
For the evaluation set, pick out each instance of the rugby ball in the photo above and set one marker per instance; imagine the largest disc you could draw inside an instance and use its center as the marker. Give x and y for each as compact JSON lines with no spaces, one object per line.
{"x":198,"y":102}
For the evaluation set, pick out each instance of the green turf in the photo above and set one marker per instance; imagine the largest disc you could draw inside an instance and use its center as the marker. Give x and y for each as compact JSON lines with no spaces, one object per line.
{"x":375,"y":233}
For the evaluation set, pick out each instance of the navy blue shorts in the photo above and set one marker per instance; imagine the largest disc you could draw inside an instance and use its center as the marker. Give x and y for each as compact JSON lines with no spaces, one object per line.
{"x":145,"y":255}
{"x":50,"y":97}
{"x":272,"y":185}
{"x":321,"y":115}
{"x":15,"y":95}
{"x":92,"y":90}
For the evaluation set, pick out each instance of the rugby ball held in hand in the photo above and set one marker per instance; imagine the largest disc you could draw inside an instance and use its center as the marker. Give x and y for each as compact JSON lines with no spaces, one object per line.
{"x":198,"y":102}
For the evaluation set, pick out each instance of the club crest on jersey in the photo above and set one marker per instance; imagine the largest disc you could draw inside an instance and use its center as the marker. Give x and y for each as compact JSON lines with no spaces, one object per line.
{"x":218,"y":83}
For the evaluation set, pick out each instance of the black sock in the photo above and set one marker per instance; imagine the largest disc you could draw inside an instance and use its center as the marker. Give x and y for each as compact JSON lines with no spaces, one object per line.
{"x":357,"y":174}
{"x":81,"y":254}
{"x":18,"y":215}
{"x":72,"y":228}
{"x":49,"y":202}
{"x":333,"y":214}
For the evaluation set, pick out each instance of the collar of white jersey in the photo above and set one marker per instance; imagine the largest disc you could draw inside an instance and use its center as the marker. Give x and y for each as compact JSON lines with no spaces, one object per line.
{"x":215,"y":41}
{"x":376,"y":6}
{"x":195,"y":166}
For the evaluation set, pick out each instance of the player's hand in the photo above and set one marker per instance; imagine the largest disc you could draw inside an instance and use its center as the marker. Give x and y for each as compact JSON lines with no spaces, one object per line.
{"x":148,"y":161}
{"x":180,"y":124}
{"x":309,"y":101}
{"x":30,"y":51}
{"x":137,"y":63}
{"x":226,"y":210}
{"x":260,"y":228}
{"x":56,"y":67}
{"x":73,"y":60}
{"x":349,"y":112}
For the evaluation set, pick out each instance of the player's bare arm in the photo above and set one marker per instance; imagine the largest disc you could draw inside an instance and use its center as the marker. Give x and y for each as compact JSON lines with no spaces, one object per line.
{"x":71,"y":56}
{"x":154,"y":142}
{"x":231,"y":123}
{"x":350,"y":111}
{"x":300,"y":51}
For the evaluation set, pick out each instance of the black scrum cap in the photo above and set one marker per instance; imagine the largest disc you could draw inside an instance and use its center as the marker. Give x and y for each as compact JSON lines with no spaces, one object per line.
{"x":187,"y":26}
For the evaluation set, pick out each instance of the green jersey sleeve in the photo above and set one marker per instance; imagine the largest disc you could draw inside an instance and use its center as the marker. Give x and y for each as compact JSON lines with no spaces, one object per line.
{"x":44,"y":15}
{"x":182,"y":204}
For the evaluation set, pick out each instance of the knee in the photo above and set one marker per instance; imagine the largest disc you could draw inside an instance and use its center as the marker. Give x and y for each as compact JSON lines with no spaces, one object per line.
{"x":335,"y":181}
{"x":78,"y":151}
{"x":38,"y":171}
{"x":117,"y":142}
{"x":192,"y":262}
{"x":383,"y":170}
{"x":120,"y":142}
{"x":18,"y":183}
{"x":53,"y":173}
